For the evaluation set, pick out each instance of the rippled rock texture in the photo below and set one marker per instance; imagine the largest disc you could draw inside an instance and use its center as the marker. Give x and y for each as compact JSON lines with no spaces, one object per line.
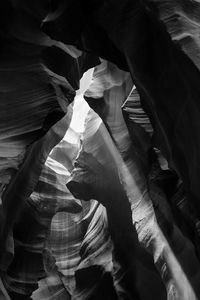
{"x":35,"y":94}
{"x":99,"y":201}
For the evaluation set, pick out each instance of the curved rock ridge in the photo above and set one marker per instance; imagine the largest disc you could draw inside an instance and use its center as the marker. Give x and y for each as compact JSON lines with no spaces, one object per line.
{"x":182,"y":22}
{"x":49,"y":196}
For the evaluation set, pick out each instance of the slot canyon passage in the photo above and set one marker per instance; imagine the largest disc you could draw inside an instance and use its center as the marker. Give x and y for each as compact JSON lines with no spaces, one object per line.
{"x":99,"y":150}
